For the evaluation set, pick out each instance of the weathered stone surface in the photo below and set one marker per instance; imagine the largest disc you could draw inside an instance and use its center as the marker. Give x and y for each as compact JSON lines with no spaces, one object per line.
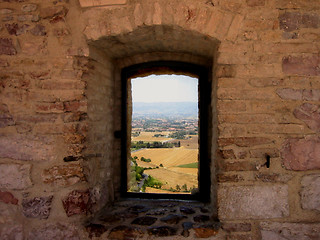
{"x":125,"y":232}
{"x":310,"y":192}
{"x":11,"y":232}
{"x":310,"y":114}
{"x":38,"y":30}
{"x":51,"y":12}
{"x":29,"y":7}
{"x":273,"y":177}
{"x":187,"y":210}
{"x":147,"y":221}
{"x":95,"y":230}
{"x":311,"y":94}
{"x":255,"y":3}
{"x":8,"y":197}
{"x":229,"y":178}
{"x":290,"y":21}
{"x":244,"y":141}
{"x":15,"y":176}
{"x":205,"y":231}
{"x":38,"y":46}
{"x":301,"y":153}
{"x":7,"y":47}
{"x":162,"y":231}
{"x":290,"y":94}
{"x":54,"y":231}
{"x":64,"y":175}
{"x":172,"y":218}
{"x":292,"y":231}
{"x":6,"y":118}
{"x":23,"y":147}
{"x":253,"y":202}
{"x":28,"y":17}
{"x":302,"y":65}
{"x":16,"y":29}
{"x":92,"y":3}
{"x":77,"y":202}
{"x":38,"y":207}
{"x":236,"y":227}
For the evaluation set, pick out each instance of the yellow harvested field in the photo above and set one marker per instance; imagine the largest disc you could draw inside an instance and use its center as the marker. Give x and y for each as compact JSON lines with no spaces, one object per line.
{"x":168,"y":157}
{"x":149,"y":137}
{"x":192,"y":171}
{"x":172,"y":179}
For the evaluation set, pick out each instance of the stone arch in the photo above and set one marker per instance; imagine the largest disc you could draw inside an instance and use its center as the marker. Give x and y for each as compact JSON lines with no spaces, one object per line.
{"x":113,"y":46}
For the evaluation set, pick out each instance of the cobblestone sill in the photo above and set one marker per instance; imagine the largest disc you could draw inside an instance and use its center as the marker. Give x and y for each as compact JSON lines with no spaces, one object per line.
{"x":132,"y":219}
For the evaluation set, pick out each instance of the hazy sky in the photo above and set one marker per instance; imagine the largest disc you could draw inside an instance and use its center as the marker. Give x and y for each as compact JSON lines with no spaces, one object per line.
{"x":165,"y":88}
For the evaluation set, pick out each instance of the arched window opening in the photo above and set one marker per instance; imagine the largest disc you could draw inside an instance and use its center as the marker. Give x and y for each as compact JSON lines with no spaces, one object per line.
{"x":165,"y":121}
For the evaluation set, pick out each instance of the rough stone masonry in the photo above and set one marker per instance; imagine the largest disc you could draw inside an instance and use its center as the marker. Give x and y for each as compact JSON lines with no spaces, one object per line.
{"x":60,"y":98}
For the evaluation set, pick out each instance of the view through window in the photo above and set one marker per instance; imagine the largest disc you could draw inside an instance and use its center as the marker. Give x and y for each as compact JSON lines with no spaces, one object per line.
{"x":164,"y":135}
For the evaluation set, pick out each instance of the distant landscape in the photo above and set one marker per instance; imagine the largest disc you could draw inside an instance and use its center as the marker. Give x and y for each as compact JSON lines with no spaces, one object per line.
{"x":164,"y":148}
{"x":165,"y":109}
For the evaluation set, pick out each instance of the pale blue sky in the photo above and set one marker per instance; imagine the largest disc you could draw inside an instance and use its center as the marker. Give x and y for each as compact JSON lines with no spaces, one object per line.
{"x":165,"y":88}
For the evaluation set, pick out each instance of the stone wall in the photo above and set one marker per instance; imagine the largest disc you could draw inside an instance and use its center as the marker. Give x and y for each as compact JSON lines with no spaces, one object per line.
{"x":60,"y":98}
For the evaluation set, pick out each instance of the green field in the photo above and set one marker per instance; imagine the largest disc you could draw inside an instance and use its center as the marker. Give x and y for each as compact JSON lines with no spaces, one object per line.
{"x":189,"y":165}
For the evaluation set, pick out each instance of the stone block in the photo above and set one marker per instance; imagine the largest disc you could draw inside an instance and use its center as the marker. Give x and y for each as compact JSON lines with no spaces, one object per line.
{"x":77,"y":202}
{"x":290,"y":94}
{"x":310,"y":114}
{"x":38,"y":207}
{"x":292,"y":231}
{"x":56,"y":107}
{"x":7,"y":47}
{"x":125,"y":232}
{"x":54,"y":231}
{"x":11,"y":231}
{"x":302,"y":65}
{"x":15,"y":176}
{"x":23,"y":147}
{"x":6,"y":118}
{"x":301,"y":154}
{"x":29,"y":7}
{"x":7,"y":197}
{"x":65,"y":175}
{"x":310,"y":192}
{"x":253,"y":202}
{"x":38,"y":30}
{"x":16,"y":29}
{"x":290,"y":21}
{"x":244,"y":141}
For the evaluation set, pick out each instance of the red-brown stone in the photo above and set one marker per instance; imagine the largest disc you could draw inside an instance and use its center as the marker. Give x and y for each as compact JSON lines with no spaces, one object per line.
{"x":77,"y":202}
{"x":205,"y":231}
{"x":8,"y":197}
{"x":16,"y":29}
{"x":38,"y":207}
{"x":310,"y":114}
{"x":64,"y":175}
{"x":38,"y":30}
{"x":95,"y":230}
{"x":301,"y":153}
{"x":302,"y":65}
{"x":6,"y":47}
{"x":125,"y":233}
